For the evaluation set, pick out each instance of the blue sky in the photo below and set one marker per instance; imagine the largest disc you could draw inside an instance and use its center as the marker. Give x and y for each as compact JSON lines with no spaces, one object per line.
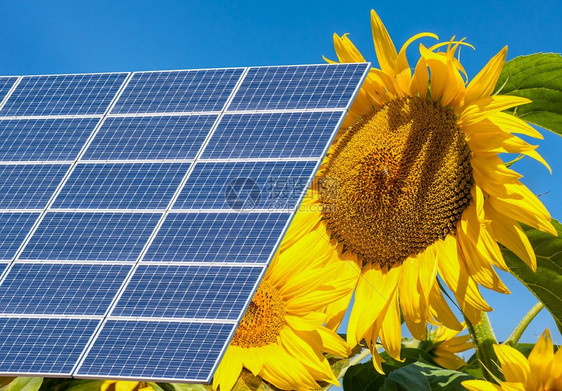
{"x":40,"y":37}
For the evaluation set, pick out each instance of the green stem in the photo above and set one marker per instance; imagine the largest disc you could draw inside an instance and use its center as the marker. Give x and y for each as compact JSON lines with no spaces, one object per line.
{"x":484,"y":339}
{"x":522,"y":326}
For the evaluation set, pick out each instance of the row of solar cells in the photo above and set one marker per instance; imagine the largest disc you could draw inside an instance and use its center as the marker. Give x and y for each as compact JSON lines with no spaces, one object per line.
{"x":211,"y":185}
{"x":120,"y":237}
{"x":273,"y":88}
{"x":155,"y":291}
{"x":264,"y":135}
{"x":127,"y":348}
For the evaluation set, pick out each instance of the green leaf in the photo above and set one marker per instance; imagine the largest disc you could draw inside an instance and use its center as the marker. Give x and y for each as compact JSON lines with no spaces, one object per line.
{"x":424,"y":376}
{"x":23,"y":384}
{"x":539,"y":78}
{"x":546,"y":282}
{"x":363,"y":377}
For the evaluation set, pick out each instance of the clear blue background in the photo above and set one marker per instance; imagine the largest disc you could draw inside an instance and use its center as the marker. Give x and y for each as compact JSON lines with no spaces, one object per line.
{"x":39,"y":37}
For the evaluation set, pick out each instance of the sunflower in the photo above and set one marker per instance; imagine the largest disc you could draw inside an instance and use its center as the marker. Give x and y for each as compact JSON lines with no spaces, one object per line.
{"x":282,"y":337}
{"x":413,"y":192}
{"x":542,"y":371}
{"x":445,"y":344}
{"x":114,"y":385}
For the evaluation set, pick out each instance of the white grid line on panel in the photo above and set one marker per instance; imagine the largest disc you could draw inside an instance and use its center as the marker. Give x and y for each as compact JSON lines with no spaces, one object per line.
{"x":137,"y":161}
{"x":179,"y":320}
{"x":64,"y":180}
{"x":65,"y":116}
{"x":29,"y":162}
{"x":47,"y":316}
{"x":10,"y":92}
{"x":91,"y":342}
{"x":281,"y":111}
{"x":141,"y":211}
{"x":261,"y":159}
{"x":164,"y":114}
{"x":344,"y":112}
{"x":87,"y":210}
{"x":73,"y":262}
{"x":21,"y":210}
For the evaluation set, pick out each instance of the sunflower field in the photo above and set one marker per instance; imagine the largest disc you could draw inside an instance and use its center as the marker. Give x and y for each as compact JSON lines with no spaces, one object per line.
{"x":416,"y":206}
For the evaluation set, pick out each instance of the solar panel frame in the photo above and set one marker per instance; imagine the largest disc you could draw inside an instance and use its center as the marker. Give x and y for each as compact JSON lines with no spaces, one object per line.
{"x":227,"y":322}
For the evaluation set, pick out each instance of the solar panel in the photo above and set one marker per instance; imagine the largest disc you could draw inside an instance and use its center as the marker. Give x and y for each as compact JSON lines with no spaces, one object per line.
{"x":138,"y":212}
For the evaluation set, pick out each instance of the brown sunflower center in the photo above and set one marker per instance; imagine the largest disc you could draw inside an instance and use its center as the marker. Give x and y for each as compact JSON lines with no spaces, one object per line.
{"x":263,"y":320}
{"x":397,"y":181}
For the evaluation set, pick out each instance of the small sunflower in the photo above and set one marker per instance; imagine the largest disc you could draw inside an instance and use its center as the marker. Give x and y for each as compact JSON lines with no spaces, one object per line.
{"x":115,"y":385}
{"x":413,"y":189}
{"x":542,"y":371}
{"x":282,"y":337}
{"x":445,"y":344}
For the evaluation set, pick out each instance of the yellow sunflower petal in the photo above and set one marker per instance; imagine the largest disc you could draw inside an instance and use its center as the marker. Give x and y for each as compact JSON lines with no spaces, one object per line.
{"x":523,"y":206}
{"x":447,"y":359}
{"x":540,"y":360}
{"x":509,"y":233}
{"x":391,"y":329}
{"x":479,"y":249}
{"x":351,"y":271}
{"x":512,"y":124}
{"x":420,"y":81}
{"x":411,"y":296}
{"x":346,"y":50}
{"x":229,"y":369}
{"x":311,"y":251}
{"x":386,"y":52}
{"x":555,"y":378}
{"x":374,"y":289}
{"x":482,"y":108}
{"x":286,"y":372}
{"x":309,"y":280}
{"x":297,"y":347}
{"x":456,"y":277}
{"x":484,"y":82}
{"x":440,"y":312}
{"x":402,"y":60}
{"x":515,"y":366}
{"x":333,"y":343}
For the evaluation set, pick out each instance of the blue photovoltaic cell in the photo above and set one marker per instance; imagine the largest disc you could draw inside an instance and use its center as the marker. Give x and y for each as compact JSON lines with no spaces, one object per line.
{"x":245,"y":185}
{"x":91,"y":236}
{"x":298,"y":87}
{"x":14,"y":227}
{"x":272,"y":135}
{"x":156,"y":350}
{"x":80,"y":94}
{"x":177,"y":91}
{"x":6,"y":83}
{"x":174,"y":291}
{"x":60,"y":289}
{"x":29,"y":186}
{"x":32,"y":345}
{"x":44,"y":139}
{"x":3,"y":267}
{"x":121,"y":186}
{"x":154,"y":137}
{"x":217,"y":237}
